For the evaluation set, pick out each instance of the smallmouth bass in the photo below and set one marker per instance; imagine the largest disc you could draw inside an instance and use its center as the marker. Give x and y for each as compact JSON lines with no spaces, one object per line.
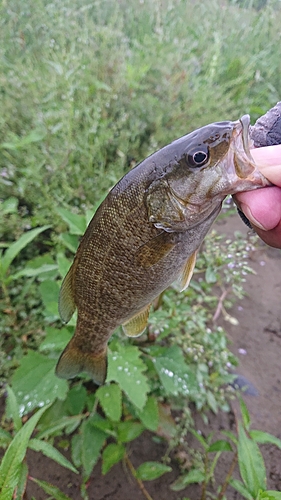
{"x":145,"y":235}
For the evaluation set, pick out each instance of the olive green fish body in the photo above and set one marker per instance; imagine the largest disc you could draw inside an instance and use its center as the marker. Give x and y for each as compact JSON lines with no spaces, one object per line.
{"x":145,"y":235}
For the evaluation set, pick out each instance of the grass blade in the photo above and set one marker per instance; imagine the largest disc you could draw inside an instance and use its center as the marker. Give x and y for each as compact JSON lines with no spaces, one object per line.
{"x":10,"y":467}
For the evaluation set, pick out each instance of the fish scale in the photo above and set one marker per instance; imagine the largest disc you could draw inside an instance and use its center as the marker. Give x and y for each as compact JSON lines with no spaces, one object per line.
{"x":145,"y":235}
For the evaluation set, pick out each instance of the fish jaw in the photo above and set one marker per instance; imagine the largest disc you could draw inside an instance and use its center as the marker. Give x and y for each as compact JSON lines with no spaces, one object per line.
{"x":241,"y":170}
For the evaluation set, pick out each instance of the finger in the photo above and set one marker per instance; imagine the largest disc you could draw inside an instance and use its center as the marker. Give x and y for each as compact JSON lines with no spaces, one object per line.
{"x":268,"y":161}
{"x":261,"y":207}
{"x":272,"y":237}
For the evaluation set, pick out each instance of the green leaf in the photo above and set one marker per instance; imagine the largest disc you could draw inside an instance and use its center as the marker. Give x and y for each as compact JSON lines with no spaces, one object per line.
{"x":77,"y":223}
{"x":92,"y":441}
{"x":175,"y":375}
{"x":63,"y":264}
{"x":245,"y":414}
{"x":49,"y":290}
{"x":238,"y":486}
{"x":50,"y":489}
{"x":265,"y":438}
{"x":62,"y":423}
{"x":76,"y":399}
{"x":193,"y":476}
{"x":110,"y":398}
{"x":210,"y":275}
{"x":129,"y":430}
{"x":21,"y":486}
{"x":212,"y":401}
{"x":49,"y":451}
{"x":16,"y":247}
{"x":10,"y":205}
{"x":55,"y":340}
{"x":126,"y":367}
{"x":270,"y":495}
{"x":220,"y":445}
{"x":35,"y":383}
{"x":10,"y":468}
{"x":112,"y":454}
{"x":22,"y":142}
{"x":12,"y":409}
{"x":251,"y":464}
{"x":71,"y":241}
{"x":5,"y":437}
{"x":200,"y":438}
{"x":33,"y":272}
{"x":151,"y":470}
{"x":149,"y":415}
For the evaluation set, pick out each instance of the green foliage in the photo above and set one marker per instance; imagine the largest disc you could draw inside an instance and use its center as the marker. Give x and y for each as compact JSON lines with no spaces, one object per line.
{"x":151,"y":470}
{"x":89,"y":107}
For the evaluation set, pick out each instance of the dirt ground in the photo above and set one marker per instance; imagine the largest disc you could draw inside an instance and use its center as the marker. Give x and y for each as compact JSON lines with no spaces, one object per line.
{"x":256,"y":341}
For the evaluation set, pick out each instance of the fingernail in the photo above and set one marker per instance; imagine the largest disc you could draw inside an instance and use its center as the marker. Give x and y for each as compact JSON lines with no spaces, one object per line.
{"x":246,"y":210}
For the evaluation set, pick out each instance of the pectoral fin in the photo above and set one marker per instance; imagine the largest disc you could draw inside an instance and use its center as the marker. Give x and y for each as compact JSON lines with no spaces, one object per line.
{"x":137,"y":324}
{"x":188,"y":271}
{"x":73,"y":361}
{"x":154,"y":250}
{"x":66,"y":297}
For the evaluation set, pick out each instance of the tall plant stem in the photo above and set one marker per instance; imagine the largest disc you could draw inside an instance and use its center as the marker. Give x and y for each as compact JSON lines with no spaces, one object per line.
{"x":134,"y":474}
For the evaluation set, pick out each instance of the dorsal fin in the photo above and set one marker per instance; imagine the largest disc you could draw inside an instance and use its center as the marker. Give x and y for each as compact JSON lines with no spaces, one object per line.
{"x":66,"y":297}
{"x":136,"y":325}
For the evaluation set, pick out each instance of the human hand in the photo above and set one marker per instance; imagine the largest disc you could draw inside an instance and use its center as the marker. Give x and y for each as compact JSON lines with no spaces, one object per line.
{"x":263,"y":206}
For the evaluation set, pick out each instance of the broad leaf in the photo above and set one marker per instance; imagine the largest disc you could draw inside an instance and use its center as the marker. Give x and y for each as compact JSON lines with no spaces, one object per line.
{"x":92,"y":441}
{"x":220,"y":445}
{"x":55,"y":340}
{"x":76,"y":223}
{"x":238,"y":486}
{"x":176,"y":376}
{"x":10,"y":467}
{"x":76,"y":399}
{"x":251,"y":463}
{"x":110,"y":398}
{"x":50,"y":489}
{"x":129,"y":430}
{"x":57,"y":426}
{"x":71,"y":241}
{"x":265,"y":438}
{"x":270,"y":495}
{"x":149,"y":415}
{"x":5,"y":437}
{"x":112,"y":454}
{"x":193,"y":476}
{"x":151,"y":470}
{"x":126,"y":367}
{"x":35,"y":383}
{"x":49,"y":451}
{"x":16,"y":247}
{"x":49,"y":290}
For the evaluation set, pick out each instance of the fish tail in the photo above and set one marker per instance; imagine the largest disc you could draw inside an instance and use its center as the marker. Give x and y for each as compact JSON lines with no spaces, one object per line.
{"x":74,"y":361}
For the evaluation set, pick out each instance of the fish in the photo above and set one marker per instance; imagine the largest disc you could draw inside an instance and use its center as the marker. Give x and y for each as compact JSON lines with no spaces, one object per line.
{"x":145,"y":235}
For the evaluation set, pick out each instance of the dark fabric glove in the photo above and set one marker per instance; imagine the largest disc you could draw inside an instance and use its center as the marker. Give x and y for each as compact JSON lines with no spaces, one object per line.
{"x":267,"y":129}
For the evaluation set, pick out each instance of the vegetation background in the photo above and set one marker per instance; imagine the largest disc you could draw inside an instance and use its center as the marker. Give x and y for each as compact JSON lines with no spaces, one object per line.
{"x":87,"y":90}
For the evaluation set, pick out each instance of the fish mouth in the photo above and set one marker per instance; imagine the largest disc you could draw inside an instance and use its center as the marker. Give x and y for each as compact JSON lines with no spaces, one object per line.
{"x":244,"y":164}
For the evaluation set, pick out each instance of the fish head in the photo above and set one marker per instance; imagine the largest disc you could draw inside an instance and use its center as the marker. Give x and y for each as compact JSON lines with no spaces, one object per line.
{"x":203,"y":168}
{"x":215,"y":161}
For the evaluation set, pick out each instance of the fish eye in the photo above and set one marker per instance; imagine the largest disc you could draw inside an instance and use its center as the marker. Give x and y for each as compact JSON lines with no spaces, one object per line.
{"x":198,"y":157}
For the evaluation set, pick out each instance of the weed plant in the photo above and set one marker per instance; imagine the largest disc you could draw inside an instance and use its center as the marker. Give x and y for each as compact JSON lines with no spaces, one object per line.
{"x":87,"y":90}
